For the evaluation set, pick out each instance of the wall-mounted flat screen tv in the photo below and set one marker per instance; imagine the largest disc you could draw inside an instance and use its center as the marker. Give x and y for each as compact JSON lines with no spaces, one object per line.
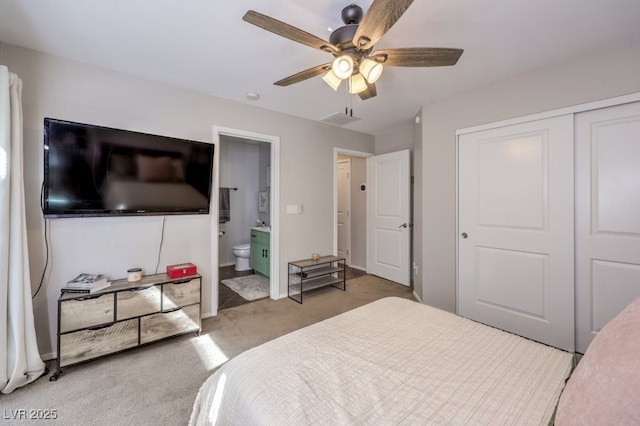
{"x":99,"y":171}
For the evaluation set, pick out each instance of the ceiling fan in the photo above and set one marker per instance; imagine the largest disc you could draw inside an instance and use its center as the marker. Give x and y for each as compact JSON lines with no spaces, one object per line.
{"x":352,"y":47}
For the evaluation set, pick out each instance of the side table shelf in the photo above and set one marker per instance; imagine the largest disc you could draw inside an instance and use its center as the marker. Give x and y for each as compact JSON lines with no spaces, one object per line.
{"x":308,"y":274}
{"x":124,"y":316}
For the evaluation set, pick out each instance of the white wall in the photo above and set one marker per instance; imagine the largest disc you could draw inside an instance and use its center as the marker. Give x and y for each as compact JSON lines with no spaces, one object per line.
{"x":606,"y":73}
{"x":59,"y":88}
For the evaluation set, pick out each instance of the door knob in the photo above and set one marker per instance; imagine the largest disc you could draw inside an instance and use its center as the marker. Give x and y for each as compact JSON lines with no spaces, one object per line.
{"x":404,"y":225}
{"x":464,"y":235}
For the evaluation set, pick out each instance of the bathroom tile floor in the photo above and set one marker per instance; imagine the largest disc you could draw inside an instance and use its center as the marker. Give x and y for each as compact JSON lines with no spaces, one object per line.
{"x":228,"y":298}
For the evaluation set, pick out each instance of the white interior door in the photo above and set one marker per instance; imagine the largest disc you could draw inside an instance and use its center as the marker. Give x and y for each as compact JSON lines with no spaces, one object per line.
{"x":388,"y":216}
{"x":515,"y":222}
{"x":343,"y":215}
{"x":607,"y":216}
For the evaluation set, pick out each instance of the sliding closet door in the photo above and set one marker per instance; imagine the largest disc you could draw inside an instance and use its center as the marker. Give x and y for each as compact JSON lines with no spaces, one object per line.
{"x":607,"y":216}
{"x":516,"y":227}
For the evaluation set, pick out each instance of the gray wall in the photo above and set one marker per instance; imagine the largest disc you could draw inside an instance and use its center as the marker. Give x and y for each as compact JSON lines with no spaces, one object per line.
{"x":397,"y":139}
{"x":59,"y":88}
{"x":606,"y":73}
{"x":358,"y":213}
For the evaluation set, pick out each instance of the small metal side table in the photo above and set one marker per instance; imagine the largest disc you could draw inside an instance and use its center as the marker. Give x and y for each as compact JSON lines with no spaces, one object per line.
{"x":308,"y":274}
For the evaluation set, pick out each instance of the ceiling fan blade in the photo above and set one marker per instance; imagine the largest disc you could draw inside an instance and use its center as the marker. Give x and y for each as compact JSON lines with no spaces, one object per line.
{"x":288,"y":31}
{"x":370,"y":92}
{"x":417,"y":57}
{"x":303,"y":75}
{"x":376,"y":22}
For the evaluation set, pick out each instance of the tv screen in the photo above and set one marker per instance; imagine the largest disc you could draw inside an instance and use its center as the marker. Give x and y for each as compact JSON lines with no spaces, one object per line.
{"x":99,"y":171}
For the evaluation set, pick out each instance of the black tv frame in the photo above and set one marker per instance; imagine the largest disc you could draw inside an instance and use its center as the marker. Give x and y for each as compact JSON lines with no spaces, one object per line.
{"x":202,"y":174}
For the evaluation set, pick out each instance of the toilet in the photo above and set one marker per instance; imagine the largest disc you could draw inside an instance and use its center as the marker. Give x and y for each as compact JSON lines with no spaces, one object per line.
{"x":241,"y":252}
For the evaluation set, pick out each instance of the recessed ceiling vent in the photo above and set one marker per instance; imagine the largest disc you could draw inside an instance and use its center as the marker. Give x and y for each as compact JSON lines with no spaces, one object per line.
{"x":340,"y":119}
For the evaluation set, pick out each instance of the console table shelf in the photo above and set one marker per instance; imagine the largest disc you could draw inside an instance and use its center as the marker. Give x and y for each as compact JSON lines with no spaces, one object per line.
{"x":124,"y":316}
{"x":308,"y":274}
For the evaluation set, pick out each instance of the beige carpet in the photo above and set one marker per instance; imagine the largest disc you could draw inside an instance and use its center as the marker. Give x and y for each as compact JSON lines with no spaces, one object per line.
{"x":157,"y":384}
{"x":249,"y":287}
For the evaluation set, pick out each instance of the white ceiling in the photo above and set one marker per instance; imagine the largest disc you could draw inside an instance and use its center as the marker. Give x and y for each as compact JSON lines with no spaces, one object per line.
{"x":204,"y":45}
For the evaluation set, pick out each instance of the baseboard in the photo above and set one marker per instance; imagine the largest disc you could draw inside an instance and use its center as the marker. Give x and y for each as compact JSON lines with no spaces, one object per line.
{"x":417,"y":297}
{"x":360,"y":268}
{"x":49,"y":356}
{"x":222,"y":265}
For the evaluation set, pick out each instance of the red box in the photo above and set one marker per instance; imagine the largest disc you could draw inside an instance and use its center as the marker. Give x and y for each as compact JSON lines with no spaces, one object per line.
{"x":181,"y":270}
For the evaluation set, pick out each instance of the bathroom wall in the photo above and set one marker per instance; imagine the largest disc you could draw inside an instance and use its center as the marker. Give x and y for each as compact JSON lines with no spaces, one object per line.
{"x":240,"y":167}
{"x":263,"y":182}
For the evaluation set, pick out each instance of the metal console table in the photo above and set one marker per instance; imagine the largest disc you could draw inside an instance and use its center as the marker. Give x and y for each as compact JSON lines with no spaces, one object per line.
{"x":308,"y":274}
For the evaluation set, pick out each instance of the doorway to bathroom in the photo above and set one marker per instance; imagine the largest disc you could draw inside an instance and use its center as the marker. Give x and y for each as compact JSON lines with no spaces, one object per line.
{"x":246,"y":190}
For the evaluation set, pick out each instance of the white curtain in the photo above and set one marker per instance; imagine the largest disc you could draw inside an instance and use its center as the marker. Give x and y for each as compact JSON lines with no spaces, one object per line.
{"x":20,"y":361}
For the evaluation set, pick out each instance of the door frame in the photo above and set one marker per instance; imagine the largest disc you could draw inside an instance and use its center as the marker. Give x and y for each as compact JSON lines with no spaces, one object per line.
{"x":351,"y":153}
{"x":274,"y":202}
{"x":347,"y":226}
{"x":372,"y":194}
{"x":542,"y":242}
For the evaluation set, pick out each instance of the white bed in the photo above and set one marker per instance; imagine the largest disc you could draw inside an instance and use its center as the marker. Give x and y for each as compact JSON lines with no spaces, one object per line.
{"x":393,"y":361}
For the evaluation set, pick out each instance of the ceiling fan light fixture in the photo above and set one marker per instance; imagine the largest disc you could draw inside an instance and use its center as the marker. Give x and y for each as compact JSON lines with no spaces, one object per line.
{"x":357,"y":84}
{"x":371,"y":70}
{"x":342,"y":66}
{"x":332,"y":80}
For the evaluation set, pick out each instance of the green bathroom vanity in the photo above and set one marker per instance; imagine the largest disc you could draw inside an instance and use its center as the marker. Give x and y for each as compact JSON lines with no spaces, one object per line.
{"x":259,"y":259}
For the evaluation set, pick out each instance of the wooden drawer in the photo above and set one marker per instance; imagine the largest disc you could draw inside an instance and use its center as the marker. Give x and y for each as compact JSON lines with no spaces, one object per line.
{"x":138,"y":301}
{"x":166,"y":324}
{"x":175,"y":295}
{"x":88,"y":312}
{"x":91,"y":343}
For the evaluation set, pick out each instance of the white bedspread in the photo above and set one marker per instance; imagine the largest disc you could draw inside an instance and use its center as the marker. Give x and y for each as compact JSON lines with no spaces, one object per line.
{"x":393,"y":361}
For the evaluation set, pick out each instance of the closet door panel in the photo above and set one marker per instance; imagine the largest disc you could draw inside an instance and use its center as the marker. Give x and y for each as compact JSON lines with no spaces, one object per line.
{"x":515,"y":221}
{"x":612,"y":284}
{"x":607,"y":216}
